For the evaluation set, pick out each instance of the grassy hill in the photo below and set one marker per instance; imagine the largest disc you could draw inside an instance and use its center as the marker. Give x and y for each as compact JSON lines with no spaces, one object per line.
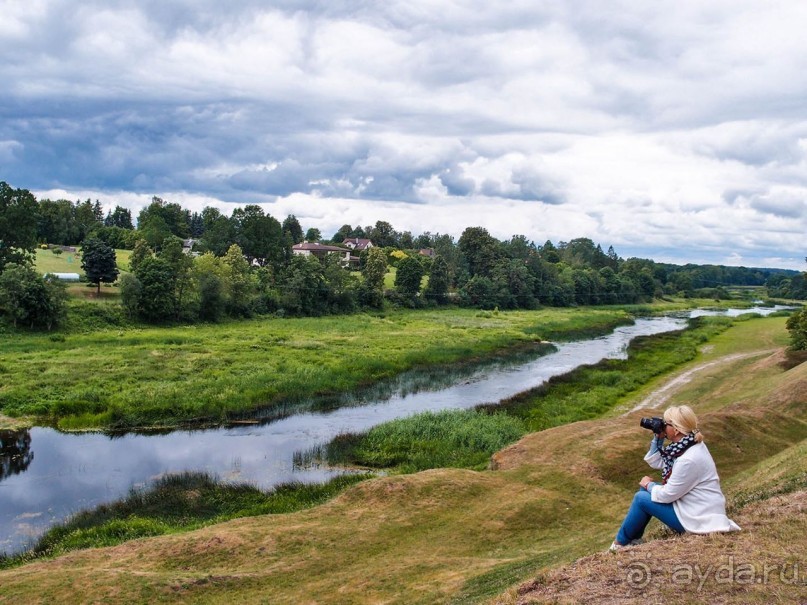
{"x":530,"y":529}
{"x":70,"y":262}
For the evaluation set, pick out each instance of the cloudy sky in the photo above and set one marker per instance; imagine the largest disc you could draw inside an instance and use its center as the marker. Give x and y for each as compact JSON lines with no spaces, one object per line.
{"x":670,"y":130}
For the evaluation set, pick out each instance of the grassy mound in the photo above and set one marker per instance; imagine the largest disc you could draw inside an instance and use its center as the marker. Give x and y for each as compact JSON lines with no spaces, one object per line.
{"x":176,"y":503}
{"x":755,"y":566}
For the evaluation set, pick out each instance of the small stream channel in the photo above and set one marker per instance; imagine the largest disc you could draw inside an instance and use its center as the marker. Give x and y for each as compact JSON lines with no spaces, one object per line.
{"x":46,"y":475}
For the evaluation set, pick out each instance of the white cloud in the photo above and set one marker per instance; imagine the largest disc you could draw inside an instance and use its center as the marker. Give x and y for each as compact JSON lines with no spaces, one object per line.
{"x":656,"y":126}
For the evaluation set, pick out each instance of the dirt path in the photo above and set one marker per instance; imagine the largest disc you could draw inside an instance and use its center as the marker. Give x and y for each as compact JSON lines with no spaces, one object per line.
{"x":660,"y":395}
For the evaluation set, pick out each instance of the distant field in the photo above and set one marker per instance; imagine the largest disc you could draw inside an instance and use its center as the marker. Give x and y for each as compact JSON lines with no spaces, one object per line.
{"x":70,"y":262}
{"x":66,"y":262}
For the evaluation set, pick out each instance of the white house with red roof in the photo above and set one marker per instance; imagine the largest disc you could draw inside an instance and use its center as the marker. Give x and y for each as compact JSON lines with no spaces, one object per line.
{"x":357,"y":244}
{"x":321,"y":251}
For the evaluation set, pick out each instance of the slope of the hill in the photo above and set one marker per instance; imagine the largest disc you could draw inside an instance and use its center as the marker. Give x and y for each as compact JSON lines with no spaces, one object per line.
{"x":764,"y":563}
{"x":459,"y":536}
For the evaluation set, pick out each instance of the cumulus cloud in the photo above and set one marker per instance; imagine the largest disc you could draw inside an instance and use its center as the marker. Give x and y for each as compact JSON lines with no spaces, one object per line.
{"x":667,"y":127}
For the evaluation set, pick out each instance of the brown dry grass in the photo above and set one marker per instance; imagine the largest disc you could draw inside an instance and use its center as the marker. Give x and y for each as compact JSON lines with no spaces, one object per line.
{"x":764,"y":563}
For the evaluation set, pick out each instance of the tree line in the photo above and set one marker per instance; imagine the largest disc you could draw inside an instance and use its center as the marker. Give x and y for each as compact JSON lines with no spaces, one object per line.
{"x":243,"y":265}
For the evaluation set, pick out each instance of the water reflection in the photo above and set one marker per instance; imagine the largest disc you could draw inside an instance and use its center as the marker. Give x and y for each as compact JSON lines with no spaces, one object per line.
{"x":15,"y":452}
{"x":758,"y":310}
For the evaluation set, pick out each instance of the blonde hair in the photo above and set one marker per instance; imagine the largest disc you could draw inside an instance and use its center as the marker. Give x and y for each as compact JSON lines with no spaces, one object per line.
{"x":683,"y":420}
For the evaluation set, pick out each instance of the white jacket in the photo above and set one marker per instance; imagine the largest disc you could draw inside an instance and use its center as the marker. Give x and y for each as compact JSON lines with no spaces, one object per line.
{"x":694,"y":490}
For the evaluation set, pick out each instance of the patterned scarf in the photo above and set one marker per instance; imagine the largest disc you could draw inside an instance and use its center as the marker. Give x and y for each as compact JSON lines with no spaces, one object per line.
{"x":673,"y":451}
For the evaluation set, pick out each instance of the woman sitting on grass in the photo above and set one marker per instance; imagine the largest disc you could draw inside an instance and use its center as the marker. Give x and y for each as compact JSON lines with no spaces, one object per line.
{"x":689,"y":498}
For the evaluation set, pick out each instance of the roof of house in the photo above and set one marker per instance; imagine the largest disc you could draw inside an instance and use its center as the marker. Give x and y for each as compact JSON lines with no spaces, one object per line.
{"x":314,"y":247}
{"x":358,"y":242}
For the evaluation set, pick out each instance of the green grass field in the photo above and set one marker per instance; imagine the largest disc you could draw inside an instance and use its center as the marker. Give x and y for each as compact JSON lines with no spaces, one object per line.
{"x":66,"y":262}
{"x":119,"y":377}
{"x":70,"y":262}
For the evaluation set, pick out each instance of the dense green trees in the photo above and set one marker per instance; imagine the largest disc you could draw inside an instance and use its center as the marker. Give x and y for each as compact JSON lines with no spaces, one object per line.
{"x":292,"y":229}
{"x":242,"y":264}
{"x":120,"y":217}
{"x":27,"y":299}
{"x":480,"y":251}
{"x":439,"y":282}
{"x":797,"y":323}
{"x":797,"y":326}
{"x":371,"y":290}
{"x":313,"y":235}
{"x":259,"y":235}
{"x":18,"y":224}
{"x":409,"y":276}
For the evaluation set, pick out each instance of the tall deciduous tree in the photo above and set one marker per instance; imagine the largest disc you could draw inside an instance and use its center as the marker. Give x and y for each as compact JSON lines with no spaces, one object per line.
{"x":18,"y":225}
{"x":240,"y":283}
{"x":304,"y":289}
{"x":57,"y":223}
{"x":259,"y":235}
{"x":89,"y":216}
{"x":437,"y":288}
{"x":480,"y":250}
{"x":99,"y":262}
{"x":409,"y":276}
{"x":342,"y":234}
{"x":219,"y":231}
{"x":291,"y":226}
{"x":156,"y":299}
{"x":181,"y":265}
{"x":383,"y":235}
{"x":797,"y":326}
{"x":173,"y":217}
{"x":313,"y":235}
{"x":371,"y":291}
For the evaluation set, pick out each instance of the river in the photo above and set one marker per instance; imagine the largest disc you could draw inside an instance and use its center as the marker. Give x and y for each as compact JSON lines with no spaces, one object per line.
{"x":47,"y":475}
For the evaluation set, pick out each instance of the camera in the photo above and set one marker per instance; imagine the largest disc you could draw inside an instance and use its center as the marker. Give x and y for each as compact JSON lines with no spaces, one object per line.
{"x":654,"y":424}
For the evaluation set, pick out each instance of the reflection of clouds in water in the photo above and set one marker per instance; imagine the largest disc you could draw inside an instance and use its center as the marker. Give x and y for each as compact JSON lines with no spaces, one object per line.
{"x":764,"y":311}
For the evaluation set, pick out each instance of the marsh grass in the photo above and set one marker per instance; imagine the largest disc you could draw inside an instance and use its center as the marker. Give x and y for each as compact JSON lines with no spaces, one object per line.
{"x":590,"y":391}
{"x":124,"y":377}
{"x":176,"y":503}
{"x":467,"y":438}
{"x":446,"y":439}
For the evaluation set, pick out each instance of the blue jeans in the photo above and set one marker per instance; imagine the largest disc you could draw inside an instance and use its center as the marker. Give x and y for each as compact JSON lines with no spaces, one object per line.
{"x":641,"y":510}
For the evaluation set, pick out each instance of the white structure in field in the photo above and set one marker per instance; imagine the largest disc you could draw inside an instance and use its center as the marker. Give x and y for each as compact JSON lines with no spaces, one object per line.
{"x":65,"y":276}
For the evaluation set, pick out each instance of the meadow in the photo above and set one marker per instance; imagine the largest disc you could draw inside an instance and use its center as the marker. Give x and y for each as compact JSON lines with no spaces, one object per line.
{"x":122,"y":377}
{"x":46,"y":261}
{"x":501,"y":535}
